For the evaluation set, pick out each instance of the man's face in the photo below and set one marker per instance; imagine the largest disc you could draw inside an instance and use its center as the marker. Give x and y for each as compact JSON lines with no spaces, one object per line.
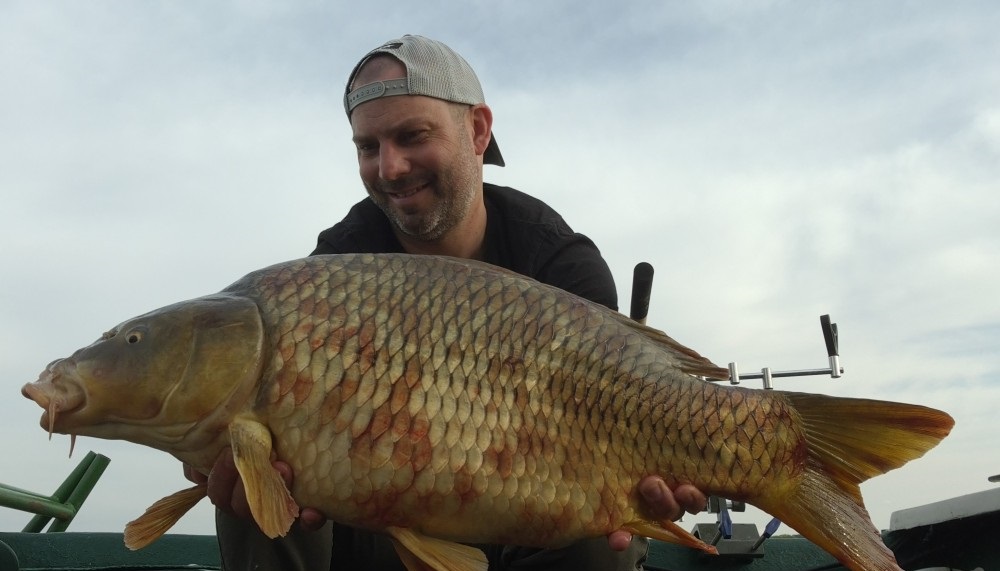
{"x":417,"y":161}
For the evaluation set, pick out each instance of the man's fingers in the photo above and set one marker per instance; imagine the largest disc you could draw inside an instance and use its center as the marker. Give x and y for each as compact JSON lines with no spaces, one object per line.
{"x":311,"y":519}
{"x":690,"y":498}
{"x":225,"y":489}
{"x":663,"y":504}
{"x":619,"y":540}
{"x":659,"y":499}
{"x":238,"y":500}
{"x":285,"y":471}
{"x":222,"y":480}
{"x":195,"y":476}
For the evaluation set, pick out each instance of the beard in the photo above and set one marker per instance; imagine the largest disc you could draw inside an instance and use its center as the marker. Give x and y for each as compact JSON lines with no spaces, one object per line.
{"x":453,"y":192}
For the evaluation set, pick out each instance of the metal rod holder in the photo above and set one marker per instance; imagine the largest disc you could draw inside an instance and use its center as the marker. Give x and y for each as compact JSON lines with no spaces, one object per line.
{"x":835,"y":370}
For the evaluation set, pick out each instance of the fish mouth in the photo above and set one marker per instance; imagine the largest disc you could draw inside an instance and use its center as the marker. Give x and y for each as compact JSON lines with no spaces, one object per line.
{"x":57,"y":394}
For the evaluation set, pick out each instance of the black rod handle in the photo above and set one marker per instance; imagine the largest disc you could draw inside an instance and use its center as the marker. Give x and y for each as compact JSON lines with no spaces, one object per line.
{"x":829,"y":335}
{"x":642,"y":287}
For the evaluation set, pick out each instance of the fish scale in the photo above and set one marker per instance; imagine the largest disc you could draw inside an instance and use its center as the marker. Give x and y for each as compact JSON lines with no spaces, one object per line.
{"x":441,"y":400}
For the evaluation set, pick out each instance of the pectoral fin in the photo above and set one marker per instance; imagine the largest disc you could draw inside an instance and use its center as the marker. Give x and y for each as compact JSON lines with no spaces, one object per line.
{"x":421,"y":553}
{"x":160,"y":517}
{"x":669,"y":532}
{"x":271,"y":503}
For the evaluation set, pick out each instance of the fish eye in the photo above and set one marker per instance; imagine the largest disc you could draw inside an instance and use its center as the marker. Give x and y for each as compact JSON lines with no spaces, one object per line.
{"x":133,"y":337}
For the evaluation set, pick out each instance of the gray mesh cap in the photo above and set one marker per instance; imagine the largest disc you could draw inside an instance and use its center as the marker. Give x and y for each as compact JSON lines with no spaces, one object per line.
{"x":432,"y":69}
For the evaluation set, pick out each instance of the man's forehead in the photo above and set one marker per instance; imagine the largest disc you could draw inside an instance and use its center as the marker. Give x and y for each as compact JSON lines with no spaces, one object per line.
{"x":389,"y":115}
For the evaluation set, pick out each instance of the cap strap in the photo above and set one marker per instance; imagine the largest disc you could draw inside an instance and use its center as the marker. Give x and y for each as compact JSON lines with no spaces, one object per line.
{"x":376,"y":90}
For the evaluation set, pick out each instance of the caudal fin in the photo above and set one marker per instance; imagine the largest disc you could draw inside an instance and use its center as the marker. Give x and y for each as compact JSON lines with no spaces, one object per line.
{"x":850,"y":441}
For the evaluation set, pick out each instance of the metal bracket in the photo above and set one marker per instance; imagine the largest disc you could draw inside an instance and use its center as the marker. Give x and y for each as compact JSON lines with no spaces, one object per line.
{"x":65,"y":503}
{"x":835,"y":370}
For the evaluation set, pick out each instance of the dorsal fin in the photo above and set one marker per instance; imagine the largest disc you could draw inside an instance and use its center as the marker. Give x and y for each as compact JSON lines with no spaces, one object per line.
{"x":688,"y":360}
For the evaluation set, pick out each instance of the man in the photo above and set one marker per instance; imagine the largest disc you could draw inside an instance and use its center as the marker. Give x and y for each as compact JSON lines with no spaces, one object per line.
{"x":423,"y":132}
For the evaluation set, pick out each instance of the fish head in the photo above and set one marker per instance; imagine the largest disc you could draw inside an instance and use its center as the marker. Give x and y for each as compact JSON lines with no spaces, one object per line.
{"x":161,"y":379}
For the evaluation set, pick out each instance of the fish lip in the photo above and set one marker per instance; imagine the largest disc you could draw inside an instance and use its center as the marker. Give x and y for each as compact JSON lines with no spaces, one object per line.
{"x":57,"y":393}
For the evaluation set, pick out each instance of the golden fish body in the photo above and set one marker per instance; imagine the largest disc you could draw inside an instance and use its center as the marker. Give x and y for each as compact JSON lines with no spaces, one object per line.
{"x":477,"y":406}
{"x":441,"y":399}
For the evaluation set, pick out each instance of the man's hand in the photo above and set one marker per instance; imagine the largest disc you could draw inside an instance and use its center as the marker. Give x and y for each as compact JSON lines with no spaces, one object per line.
{"x":663,"y":504}
{"x":226,"y":491}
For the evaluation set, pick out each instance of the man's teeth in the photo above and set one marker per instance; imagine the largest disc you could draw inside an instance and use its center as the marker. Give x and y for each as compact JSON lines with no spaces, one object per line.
{"x":407,"y":193}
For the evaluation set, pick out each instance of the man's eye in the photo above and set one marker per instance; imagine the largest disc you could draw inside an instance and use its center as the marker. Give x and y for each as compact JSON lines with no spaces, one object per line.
{"x":411,"y":137}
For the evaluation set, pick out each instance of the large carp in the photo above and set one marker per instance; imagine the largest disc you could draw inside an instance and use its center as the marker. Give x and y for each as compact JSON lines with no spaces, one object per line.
{"x":442,"y":400}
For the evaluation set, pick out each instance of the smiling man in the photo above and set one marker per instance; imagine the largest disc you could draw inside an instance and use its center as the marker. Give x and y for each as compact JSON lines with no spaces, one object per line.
{"x":423,"y":132}
{"x":419,"y":159}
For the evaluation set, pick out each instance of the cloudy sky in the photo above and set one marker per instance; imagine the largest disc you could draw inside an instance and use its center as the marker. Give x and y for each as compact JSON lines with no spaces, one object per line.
{"x":773,"y":160}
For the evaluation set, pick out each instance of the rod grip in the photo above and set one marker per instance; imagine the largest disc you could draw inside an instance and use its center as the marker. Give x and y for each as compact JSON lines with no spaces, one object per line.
{"x":829,"y":335}
{"x":642,"y":287}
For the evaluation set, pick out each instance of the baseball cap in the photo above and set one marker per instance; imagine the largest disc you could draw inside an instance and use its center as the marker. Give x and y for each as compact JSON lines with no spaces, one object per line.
{"x":432,"y":69}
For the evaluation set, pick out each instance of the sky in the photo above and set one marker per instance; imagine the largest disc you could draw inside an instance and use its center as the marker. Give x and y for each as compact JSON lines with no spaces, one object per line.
{"x":774,"y":161}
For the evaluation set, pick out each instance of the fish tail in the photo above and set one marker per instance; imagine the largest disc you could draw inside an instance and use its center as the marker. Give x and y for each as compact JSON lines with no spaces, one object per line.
{"x":848,"y":442}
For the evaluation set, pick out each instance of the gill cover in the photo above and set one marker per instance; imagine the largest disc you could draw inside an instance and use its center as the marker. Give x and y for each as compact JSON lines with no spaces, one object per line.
{"x":171,"y":368}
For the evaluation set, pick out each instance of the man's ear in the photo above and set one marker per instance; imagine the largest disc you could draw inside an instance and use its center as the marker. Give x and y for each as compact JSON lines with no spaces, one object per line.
{"x":482,"y":127}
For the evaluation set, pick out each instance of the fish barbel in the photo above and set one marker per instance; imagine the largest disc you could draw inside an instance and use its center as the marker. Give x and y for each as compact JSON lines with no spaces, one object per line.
{"x":445,"y":401}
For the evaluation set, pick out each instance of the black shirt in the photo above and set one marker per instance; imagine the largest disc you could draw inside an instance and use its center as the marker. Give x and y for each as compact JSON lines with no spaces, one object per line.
{"x":523,"y":234}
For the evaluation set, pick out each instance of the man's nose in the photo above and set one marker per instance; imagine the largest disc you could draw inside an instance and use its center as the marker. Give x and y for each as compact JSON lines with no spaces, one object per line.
{"x":392,"y":163}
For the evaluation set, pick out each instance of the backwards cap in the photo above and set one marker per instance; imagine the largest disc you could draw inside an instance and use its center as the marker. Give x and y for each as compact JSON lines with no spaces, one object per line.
{"x":432,"y":69}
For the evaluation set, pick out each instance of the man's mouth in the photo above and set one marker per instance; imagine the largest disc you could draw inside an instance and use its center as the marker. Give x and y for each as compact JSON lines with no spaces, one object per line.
{"x":407,"y":194}
{"x":397,"y":193}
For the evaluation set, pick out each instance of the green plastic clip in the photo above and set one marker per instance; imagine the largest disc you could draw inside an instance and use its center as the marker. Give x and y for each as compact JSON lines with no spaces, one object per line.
{"x":65,"y":503}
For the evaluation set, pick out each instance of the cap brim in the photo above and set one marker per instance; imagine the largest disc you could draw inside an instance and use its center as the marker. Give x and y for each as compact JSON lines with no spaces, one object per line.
{"x":492,"y":154}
